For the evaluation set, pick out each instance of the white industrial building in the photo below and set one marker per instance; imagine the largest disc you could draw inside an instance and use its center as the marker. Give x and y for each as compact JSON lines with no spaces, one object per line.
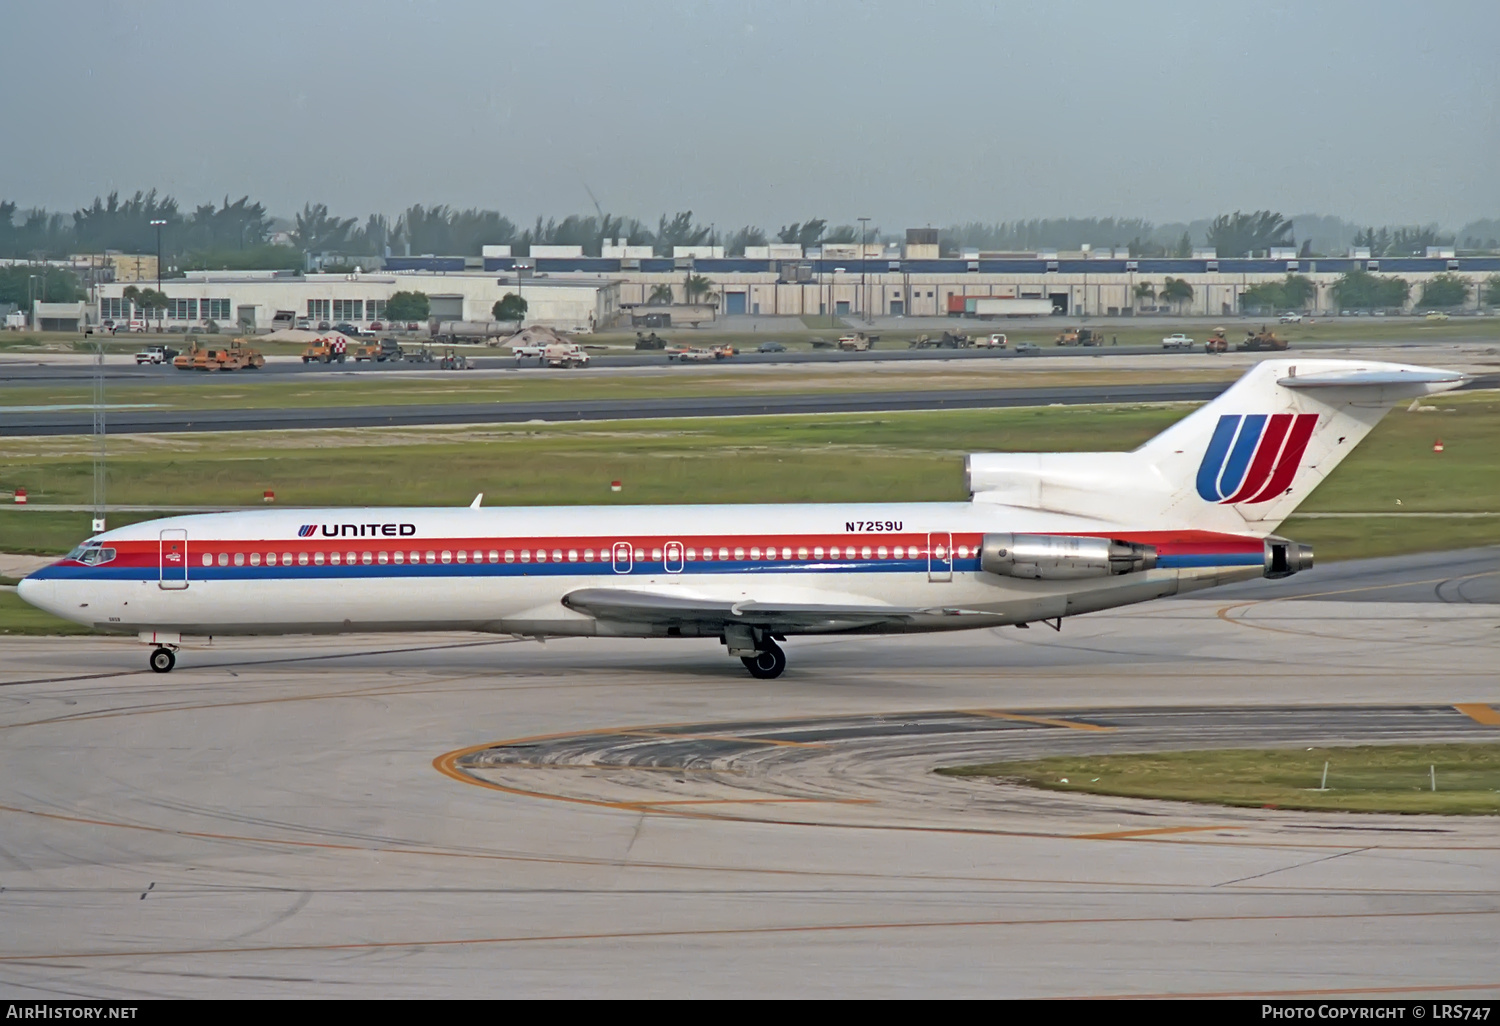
{"x":262,"y":300}
{"x":581,"y":294}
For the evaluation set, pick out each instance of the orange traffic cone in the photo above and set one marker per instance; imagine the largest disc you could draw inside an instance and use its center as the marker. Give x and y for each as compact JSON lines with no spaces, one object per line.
{"x":1437,"y":446}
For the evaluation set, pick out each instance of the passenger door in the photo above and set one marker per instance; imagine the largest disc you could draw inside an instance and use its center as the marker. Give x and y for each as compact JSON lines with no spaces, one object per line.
{"x":173,"y":559}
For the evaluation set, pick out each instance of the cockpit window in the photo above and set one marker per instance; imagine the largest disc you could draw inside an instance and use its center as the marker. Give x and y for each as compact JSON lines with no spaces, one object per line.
{"x":77,"y":553}
{"x":93,"y":555}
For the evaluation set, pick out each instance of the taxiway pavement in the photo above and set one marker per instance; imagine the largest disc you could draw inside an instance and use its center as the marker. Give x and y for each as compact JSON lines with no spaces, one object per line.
{"x":294,"y":816}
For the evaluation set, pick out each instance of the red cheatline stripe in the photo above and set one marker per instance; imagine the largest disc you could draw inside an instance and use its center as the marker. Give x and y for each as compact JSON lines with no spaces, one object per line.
{"x":1265,"y":457}
{"x":1291,"y":458}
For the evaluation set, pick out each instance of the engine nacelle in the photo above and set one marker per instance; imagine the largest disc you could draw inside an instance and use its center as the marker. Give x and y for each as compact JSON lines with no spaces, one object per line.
{"x":1048,"y":557}
{"x":1284,"y":558}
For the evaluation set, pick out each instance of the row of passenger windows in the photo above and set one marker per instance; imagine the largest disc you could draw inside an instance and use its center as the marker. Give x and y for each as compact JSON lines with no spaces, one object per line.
{"x":692,"y":555}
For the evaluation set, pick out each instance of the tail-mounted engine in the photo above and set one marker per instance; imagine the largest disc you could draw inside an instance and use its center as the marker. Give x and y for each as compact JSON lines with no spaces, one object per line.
{"x":1047,"y":557}
{"x":1284,"y":558}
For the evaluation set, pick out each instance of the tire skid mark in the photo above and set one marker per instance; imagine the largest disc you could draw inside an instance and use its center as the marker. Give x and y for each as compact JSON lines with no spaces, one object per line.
{"x":747,"y":931}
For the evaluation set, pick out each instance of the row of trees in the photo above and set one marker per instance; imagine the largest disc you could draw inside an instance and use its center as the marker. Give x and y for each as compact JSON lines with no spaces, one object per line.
{"x":1361,"y":290}
{"x":238,"y":233}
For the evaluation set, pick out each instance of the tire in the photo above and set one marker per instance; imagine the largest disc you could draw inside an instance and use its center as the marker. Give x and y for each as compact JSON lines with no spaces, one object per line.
{"x":767,"y":665}
{"x":162,"y":660}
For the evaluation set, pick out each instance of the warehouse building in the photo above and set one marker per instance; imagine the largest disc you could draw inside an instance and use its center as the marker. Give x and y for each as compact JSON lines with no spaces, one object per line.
{"x":581,"y":294}
{"x":260,"y":301}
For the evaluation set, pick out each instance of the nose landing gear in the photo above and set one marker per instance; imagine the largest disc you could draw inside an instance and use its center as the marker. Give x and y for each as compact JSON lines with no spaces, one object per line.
{"x":767,"y":664}
{"x":163,"y":659}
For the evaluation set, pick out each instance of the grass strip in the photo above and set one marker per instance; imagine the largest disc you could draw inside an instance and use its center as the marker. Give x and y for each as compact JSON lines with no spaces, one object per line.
{"x":1370,"y":778}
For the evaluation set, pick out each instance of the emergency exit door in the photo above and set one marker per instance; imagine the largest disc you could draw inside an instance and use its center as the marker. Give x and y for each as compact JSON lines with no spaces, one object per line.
{"x":940,"y":557}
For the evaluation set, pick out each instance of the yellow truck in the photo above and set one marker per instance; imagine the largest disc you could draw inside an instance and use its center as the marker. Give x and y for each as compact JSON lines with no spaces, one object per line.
{"x":235,"y":356}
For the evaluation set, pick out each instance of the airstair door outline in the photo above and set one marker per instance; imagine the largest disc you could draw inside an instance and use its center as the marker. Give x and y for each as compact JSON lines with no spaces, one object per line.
{"x":173,"y":559}
{"x":672,"y":560}
{"x":624,"y":557}
{"x":940,"y":557}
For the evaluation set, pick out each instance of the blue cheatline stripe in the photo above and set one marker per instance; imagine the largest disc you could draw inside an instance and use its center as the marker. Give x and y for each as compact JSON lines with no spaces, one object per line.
{"x":1213,"y":459}
{"x":1239,"y":457}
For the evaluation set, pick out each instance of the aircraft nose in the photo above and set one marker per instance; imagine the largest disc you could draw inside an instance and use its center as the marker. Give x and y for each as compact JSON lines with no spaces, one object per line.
{"x":37,"y":593}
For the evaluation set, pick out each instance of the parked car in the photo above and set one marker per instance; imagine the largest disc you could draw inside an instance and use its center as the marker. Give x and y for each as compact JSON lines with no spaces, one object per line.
{"x":378,"y":326}
{"x":324,"y":326}
{"x":993,"y":342}
{"x":1436,"y":315}
{"x":1026,"y":349}
{"x":692,"y":355}
{"x":155,"y":354}
{"x":304,"y":324}
{"x":1291,"y":318}
{"x":771,"y":347}
{"x":1177,"y":340}
{"x":138,"y":327}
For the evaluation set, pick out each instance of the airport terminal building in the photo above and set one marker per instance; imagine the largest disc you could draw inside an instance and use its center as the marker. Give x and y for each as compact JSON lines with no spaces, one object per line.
{"x":576,"y":293}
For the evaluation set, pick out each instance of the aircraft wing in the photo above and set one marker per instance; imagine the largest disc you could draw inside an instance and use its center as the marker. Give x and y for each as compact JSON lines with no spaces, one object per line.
{"x":649,"y":607}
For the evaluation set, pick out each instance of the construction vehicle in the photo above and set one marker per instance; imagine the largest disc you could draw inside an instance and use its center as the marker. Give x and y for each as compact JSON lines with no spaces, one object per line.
{"x":1261,"y":341}
{"x":1080,"y":337}
{"x":1217,"y":343}
{"x":319,"y":350}
{"x":723,"y":352}
{"x":452,"y":359}
{"x":858,"y":342}
{"x":236,"y":356}
{"x":651,"y":341}
{"x":948,"y":340}
{"x":420,"y":353}
{"x":379,"y":351}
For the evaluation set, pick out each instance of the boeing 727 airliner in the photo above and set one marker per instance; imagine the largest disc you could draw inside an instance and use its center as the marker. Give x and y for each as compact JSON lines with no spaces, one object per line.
{"x":1043,"y":536}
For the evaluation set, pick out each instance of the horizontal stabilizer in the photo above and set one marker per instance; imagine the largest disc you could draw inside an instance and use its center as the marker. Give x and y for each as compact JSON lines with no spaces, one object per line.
{"x":1419,"y":378}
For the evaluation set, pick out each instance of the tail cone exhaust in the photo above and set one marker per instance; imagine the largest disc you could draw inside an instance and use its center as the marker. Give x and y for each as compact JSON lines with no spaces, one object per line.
{"x":1284,"y":558}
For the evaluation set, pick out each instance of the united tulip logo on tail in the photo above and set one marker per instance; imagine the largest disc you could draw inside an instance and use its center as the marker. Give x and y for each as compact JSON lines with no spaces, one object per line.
{"x":1253,"y":457}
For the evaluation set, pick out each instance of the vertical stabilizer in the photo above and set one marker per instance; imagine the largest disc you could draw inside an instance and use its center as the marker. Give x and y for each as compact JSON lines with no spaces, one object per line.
{"x":1242,"y":463}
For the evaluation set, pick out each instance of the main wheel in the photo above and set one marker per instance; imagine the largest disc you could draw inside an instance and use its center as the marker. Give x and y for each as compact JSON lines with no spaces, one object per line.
{"x":163,"y":659}
{"x":767,"y":665}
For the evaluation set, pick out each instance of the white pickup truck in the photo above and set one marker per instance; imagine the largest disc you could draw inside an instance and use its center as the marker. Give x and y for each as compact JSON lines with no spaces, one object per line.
{"x":569,"y":355}
{"x":1177,"y":341}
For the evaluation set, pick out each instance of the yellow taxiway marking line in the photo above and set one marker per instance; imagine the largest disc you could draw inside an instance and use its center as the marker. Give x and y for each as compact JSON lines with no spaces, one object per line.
{"x":1042,"y":720}
{"x":1480,"y":713}
{"x":1120,"y":835}
{"x":720,"y":737}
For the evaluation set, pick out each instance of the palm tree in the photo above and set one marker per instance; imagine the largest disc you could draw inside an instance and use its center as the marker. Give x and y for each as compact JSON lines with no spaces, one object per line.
{"x":1145,"y":290}
{"x":661,"y":295}
{"x":1176,"y":291}
{"x":699,"y":289}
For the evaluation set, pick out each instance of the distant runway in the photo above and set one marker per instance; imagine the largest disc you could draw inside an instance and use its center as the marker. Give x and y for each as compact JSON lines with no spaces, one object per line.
{"x":70,"y":422}
{"x":466,"y":816}
{"x":134,"y":421}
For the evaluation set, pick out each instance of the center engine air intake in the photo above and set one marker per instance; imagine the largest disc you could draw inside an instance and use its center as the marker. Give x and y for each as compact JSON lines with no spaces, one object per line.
{"x":1048,"y":557}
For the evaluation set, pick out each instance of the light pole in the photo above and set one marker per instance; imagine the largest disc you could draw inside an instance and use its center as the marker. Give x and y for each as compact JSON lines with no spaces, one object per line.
{"x":157,"y":224}
{"x":864,"y":296}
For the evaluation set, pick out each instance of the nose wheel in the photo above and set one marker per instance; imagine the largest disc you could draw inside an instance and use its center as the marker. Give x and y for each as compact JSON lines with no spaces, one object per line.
{"x":163,"y":659}
{"x":767,"y":664}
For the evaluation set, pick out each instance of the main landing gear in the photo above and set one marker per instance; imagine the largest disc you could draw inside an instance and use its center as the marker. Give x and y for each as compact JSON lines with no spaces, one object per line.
{"x":163,"y":659}
{"x":766,"y":664}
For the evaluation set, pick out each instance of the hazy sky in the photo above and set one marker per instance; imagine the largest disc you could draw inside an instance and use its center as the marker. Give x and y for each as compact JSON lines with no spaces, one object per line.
{"x":1381,"y":111}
